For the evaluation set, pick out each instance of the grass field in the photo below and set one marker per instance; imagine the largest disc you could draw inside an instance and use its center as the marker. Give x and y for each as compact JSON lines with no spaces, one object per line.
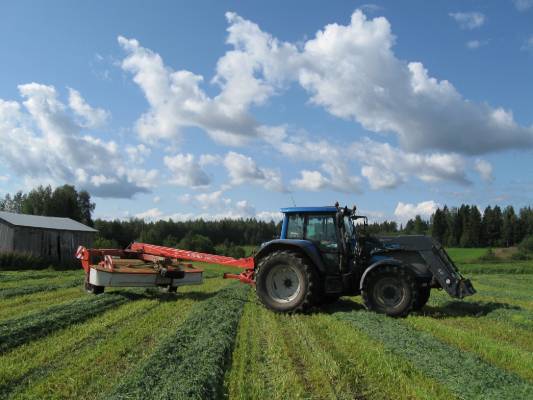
{"x":216,"y":341}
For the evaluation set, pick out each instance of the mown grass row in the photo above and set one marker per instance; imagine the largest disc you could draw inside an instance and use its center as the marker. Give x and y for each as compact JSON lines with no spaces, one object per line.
{"x":191,"y":362}
{"x":515,"y":267}
{"x":462,"y":372}
{"x":23,"y":305}
{"x":85,"y":361}
{"x":9,"y":276}
{"x":16,"y":331}
{"x":318,"y":356}
{"x":25,"y":290}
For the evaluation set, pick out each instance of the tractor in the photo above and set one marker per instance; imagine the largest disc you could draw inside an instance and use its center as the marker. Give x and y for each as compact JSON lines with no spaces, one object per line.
{"x":324,"y":253}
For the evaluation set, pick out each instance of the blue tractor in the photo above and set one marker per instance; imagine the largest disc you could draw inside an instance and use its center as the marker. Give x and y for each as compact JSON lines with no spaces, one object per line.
{"x":325,"y":252}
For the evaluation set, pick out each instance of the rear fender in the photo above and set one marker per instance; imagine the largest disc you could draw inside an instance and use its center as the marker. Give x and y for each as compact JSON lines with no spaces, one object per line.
{"x":304,"y":246}
{"x":389,"y":261}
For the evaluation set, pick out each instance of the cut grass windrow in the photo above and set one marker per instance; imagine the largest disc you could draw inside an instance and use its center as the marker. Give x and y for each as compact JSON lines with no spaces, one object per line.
{"x":15,"y":276}
{"x":16,"y":331}
{"x":318,"y":357}
{"x":25,"y":290}
{"x":31,"y":303}
{"x":190,"y":364}
{"x":496,"y":352}
{"x":461,"y":372}
{"x":69,"y":363}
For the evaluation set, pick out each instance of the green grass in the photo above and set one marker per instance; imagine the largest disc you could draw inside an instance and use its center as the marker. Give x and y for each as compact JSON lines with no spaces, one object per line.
{"x":465,"y":255}
{"x":217,"y":341}
{"x":190,"y":364}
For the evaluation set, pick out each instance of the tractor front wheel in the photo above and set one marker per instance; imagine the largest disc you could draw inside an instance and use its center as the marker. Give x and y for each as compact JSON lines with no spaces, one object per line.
{"x":390,"y":290}
{"x":285,"y":281}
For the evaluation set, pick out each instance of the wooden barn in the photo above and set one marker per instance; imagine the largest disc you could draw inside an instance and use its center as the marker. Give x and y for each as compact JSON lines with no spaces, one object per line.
{"x":50,"y":237}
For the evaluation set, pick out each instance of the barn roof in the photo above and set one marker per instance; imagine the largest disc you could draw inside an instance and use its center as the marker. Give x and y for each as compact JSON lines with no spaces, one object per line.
{"x":37,"y":221}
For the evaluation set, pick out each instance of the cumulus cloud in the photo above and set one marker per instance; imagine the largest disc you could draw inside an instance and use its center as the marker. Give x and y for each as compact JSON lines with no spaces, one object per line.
{"x":350,"y":70}
{"x":484,"y":168}
{"x":92,"y":117}
{"x":334,"y":176}
{"x":468,"y":20}
{"x":406,"y":211}
{"x":186,"y":171}
{"x":476,"y":44}
{"x":42,"y":141}
{"x":213,"y":206}
{"x":244,"y":170}
{"x":387,"y":167}
{"x":177,"y":101}
{"x":523,"y":5}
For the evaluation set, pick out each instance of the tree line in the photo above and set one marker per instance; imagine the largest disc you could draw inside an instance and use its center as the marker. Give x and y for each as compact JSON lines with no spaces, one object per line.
{"x":466,"y":226}
{"x":64,"y":201}
{"x":463,"y":226}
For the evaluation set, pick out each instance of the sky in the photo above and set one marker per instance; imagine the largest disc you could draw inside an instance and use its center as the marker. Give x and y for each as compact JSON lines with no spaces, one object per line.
{"x":225,"y":109}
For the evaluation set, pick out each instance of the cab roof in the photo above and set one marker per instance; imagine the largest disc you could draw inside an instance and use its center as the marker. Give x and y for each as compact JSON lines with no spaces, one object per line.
{"x":321,"y":210}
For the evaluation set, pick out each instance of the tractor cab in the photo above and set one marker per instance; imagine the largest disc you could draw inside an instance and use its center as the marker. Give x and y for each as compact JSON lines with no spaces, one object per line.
{"x":331,"y":230}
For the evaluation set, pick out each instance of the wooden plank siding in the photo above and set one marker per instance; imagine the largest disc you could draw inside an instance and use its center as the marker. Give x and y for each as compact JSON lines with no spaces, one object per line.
{"x":54,"y":244}
{"x":6,"y":238}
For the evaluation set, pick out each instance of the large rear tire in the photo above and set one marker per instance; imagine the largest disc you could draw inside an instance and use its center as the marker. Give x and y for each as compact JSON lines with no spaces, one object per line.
{"x":423,"y":297}
{"x":390,"y":290}
{"x":285,"y":281}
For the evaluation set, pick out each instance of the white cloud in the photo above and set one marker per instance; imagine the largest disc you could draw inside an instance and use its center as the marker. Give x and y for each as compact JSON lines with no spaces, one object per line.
{"x":177,"y":101}
{"x":138,"y":153}
{"x":336,"y":177}
{"x":244,"y":170}
{"x":468,"y":20}
{"x":153,"y":214}
{"x":156,"y":199}
{"x":484,"y":168}
{"x":476,"y":44}
{"x":406,"y":211}
{"x":523,"y":5}
{"x":387,"y":167}
{"x":214,"y":207}
{"x":186,"y":171}
{"x":43,"y":143}
{"x":528,"y":44}
{"x":93,"y":117}
{"x":381,"y":92}
{"x":4,"y":178}
{"x":350,"y":70}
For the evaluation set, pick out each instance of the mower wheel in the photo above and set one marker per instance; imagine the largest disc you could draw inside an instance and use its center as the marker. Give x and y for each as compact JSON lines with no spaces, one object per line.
{"x":170,"y":289}
{"x":390,"y":290}
{"x":286,"y":281}
{"x":93,"y":289}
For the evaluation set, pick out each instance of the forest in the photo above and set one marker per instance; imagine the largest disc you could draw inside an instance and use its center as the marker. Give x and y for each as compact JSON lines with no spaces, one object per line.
{"x":463,"y":226}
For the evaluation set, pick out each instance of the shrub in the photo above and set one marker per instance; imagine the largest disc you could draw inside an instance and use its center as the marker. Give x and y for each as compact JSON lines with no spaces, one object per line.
{"x":489,"y":256}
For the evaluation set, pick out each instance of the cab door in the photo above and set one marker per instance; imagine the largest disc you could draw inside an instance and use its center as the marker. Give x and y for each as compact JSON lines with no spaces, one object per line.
{"x":320,"y":229}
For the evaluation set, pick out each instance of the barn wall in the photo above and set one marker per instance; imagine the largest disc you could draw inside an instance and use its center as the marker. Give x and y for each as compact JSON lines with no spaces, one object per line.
{"x":6,"y":237}
{"x":59,"y":245}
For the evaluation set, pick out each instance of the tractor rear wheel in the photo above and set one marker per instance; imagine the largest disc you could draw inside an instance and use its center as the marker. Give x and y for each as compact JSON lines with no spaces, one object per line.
{"x":423,"y":297}
{"x":93,"y":289}
{"x":390,"y":290}
{"x":285,"y":281}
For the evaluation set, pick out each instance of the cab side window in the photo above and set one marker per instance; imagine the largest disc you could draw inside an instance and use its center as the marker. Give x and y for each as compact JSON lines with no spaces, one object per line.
{"x":295,"y":227}
{"x":321,"y":229}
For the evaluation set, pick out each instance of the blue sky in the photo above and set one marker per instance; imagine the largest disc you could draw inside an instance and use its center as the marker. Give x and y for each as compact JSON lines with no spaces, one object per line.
{"x":235,"y":109}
